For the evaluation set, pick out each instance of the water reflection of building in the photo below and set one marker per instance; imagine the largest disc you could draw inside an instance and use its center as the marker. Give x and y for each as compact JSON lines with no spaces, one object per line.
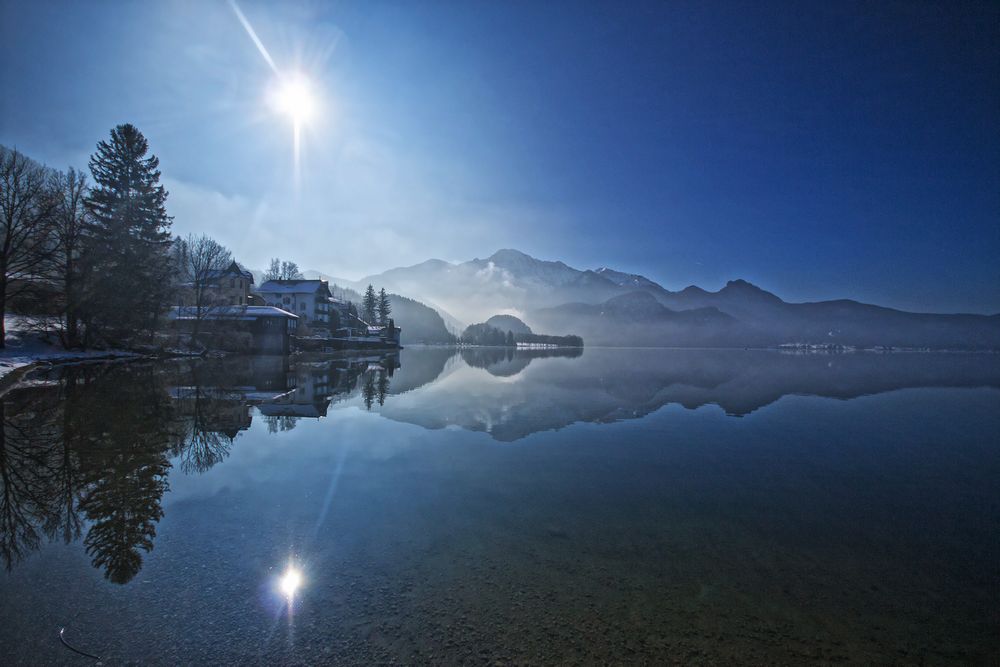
{"x":219,"y":395}
{"x":313,"y":385}
{"x":216,"y":396}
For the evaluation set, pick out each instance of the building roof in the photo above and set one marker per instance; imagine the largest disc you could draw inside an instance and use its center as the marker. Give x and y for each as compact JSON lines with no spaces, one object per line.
{"x":232,"y":269}
{"x":211,"y":277}
{"x":229,"y":313}
{"x":293,"y":286}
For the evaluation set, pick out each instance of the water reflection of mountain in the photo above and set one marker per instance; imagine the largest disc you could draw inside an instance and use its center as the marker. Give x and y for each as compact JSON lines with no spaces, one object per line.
{"x":507,"y":361}
{"x":85,"y":451}
{"x":609,"y":385}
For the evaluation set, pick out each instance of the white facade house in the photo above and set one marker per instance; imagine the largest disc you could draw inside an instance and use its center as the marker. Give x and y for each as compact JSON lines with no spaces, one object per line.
{"x":309,"y":299}
{"x":313,"y":303}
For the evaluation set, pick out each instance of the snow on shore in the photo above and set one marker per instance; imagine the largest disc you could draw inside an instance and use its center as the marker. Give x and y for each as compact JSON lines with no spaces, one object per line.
{"x":26,"y":347}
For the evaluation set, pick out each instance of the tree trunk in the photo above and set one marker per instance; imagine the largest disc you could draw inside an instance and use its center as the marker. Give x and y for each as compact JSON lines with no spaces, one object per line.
{"x":71,"y":329}
{"x":72,"y":332}
{"x":3,"y":314}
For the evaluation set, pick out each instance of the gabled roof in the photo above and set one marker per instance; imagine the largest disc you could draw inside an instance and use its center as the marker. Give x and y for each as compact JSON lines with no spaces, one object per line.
{"x":232,"y":269}
{"x":212,"y":276}
{"x":293,"y":287}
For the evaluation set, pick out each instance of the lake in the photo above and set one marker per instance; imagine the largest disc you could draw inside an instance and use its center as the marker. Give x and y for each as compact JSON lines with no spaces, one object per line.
{"x":491,"y":506}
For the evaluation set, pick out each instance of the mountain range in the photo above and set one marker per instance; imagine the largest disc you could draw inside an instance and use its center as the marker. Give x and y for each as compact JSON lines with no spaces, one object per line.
{"x":610,"y":307}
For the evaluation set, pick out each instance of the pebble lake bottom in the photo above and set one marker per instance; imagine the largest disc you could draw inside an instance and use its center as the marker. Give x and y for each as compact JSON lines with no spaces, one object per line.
{"x":471,"y":507}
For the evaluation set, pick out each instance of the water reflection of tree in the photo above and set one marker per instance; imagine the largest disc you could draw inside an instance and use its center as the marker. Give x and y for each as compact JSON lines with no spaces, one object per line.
{"x":368,"y":389}
{"x":383,"y":385}
{"x":88,"y":451}
{"x":279,"y":423}
{"x":64,"y":519}
{"x":211,"y":420}
{"x":374,"y":386}
{"x":63,"y":455}
{"x":26,"y":489}
{"x":124,"y":468}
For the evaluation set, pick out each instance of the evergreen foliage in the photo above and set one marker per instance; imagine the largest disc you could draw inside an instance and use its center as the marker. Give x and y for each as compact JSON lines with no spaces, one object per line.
{"x":484,"y":334}
{"x":384,"y":307}
{"x":369,"y":305}
{"x":128,"y":239}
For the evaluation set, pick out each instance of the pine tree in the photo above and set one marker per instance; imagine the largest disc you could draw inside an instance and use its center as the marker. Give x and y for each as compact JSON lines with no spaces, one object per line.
{"x":384,"y":307}
{"x":369,"y":305}
{"x":128,"y":238}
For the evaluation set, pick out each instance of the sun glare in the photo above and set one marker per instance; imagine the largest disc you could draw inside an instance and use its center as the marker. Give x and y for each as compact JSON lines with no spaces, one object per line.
{"x":290,"y":581}
{"x":293,"y":97}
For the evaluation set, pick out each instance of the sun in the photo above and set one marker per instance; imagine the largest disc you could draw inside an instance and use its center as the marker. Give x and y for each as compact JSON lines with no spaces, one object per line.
{"x":293,"y":96}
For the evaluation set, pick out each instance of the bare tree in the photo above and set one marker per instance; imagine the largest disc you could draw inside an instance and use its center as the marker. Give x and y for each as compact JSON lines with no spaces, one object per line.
{"x":27,"y":207}
{"x":290,"y":271}
{"x":202,"y":260}
{"x":69,"y":223}
{"x":274,"y":270}
{"x":281,"y":270}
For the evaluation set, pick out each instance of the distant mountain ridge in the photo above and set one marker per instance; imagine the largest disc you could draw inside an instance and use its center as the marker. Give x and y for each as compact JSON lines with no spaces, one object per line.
{"x":611,"y":307}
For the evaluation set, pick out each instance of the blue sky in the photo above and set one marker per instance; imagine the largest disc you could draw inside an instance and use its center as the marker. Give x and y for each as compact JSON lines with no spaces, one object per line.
{"x":821,"y":151}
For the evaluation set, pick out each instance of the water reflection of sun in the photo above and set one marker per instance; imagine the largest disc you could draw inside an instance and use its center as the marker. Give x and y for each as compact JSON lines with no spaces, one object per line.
{"x":290,"y":581}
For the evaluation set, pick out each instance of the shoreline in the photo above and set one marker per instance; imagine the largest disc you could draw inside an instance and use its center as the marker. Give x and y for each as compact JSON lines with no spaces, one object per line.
{"x":14,"y":374}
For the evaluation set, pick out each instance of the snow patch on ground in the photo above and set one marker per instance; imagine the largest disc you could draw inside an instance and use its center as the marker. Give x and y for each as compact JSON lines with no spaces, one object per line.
{"x":26,"y":346}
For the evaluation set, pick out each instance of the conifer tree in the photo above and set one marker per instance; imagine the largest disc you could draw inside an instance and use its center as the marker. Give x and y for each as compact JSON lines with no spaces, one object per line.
{"x":384,"y":307}
{"x":369,"y":305}
{"x":128,"y":239}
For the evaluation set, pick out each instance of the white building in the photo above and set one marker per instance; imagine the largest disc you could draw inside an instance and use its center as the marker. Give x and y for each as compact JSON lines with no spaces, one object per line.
{"x":309,"y":299}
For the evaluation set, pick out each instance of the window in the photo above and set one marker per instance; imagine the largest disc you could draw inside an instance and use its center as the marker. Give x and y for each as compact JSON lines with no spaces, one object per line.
{"x":232,"y":282}
{"x":286,"y":300}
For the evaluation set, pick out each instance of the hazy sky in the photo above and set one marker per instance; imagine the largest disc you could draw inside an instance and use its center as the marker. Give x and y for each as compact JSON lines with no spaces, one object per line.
{"x":824,"y":151}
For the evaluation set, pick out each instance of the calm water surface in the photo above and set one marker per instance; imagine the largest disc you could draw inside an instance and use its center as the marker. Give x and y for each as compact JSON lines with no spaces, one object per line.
{"x":650,"y":506}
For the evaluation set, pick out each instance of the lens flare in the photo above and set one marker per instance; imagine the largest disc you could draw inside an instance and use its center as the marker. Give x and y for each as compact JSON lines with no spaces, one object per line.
{"x":290,"y":581}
